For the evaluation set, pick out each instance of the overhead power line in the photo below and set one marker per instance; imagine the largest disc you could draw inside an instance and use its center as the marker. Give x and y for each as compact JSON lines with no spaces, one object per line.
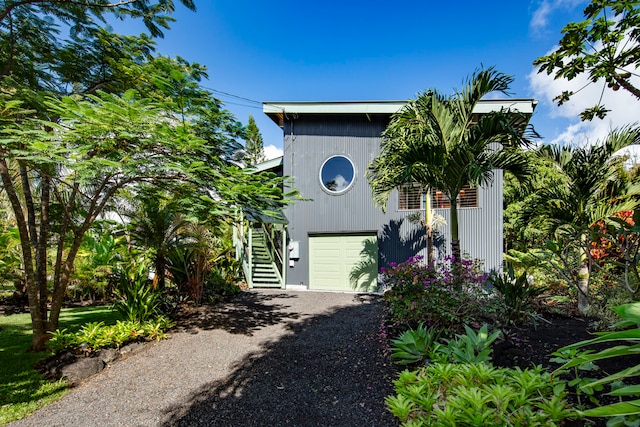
{"x":257,"y":104}
{"x":253,"y":103}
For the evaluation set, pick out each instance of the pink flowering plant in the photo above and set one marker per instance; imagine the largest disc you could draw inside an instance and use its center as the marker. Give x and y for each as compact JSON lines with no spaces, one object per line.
{"x":417,"y":294}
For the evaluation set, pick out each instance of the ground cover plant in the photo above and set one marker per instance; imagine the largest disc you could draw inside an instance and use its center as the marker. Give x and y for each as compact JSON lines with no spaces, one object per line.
{"x":453,"y":382}
{"x":22,"y":388}
{"x":478,"y":394}
{"x":96,"y":335}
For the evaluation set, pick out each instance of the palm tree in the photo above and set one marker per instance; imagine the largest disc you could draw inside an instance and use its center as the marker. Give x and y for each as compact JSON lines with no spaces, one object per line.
{"x":157,"y":225}
{"x":596,"y":188}
{"x":438,"y":142}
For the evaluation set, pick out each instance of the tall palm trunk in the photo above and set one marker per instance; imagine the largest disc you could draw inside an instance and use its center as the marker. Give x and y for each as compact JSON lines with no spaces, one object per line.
{"x":455,"y":243}
{"x":583,"y":276}
{"x":455,"y":239}
{"x":428,"y":220}
{"x":583,"y":287}
{"x":160,"y":266}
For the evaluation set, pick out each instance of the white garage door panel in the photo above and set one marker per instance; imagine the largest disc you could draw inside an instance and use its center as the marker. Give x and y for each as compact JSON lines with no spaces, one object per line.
{"x":333,"y":258}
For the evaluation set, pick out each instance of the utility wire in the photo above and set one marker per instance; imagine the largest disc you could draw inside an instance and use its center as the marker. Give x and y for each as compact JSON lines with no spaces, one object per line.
{"x":234,"y":96}
{"x":257,"y":104}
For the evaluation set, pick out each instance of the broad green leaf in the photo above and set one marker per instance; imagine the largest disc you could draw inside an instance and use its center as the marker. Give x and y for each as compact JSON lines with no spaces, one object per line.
{"x":625,"y":373}
{"x":631,"y":334}
{"x":616,"y":409}
{"x":630,"y":390}
{"x":629,"y":312}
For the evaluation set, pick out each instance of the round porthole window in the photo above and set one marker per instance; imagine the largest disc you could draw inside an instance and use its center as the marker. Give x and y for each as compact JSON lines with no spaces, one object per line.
{"x":337,"y":174}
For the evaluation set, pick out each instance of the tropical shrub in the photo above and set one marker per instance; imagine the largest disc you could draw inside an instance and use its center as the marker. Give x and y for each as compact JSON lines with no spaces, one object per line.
{"x":187,"y":265}
{"x":516,"y":292}
{"x":416,"y":346}
{"x":606,"y":294}
{"x":10,"y":260}
{"x":471,"y":273}
{"x":478,"y":394}
{"x":138,"y":300}
{"x":422,"y":346}
{"x":418,"y":294}
{"x":471,"y":347}
{"x":96,"y":272}
{"x":219,"y":289}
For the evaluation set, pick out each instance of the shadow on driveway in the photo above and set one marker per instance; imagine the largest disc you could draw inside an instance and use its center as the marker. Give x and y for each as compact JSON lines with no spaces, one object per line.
{"x":247,"y":313}
{"x":325,"y":370}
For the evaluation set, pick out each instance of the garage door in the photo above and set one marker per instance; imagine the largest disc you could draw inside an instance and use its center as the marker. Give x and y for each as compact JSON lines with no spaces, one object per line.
{"x":343,"y":262}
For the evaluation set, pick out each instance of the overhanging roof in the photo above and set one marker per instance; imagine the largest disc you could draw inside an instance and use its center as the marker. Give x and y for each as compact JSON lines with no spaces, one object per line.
{"x":277,"y":111}
{"x":268,"y":164}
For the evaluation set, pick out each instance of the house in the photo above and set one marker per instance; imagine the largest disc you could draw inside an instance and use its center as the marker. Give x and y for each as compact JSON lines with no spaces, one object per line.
{"x":338,"y":239}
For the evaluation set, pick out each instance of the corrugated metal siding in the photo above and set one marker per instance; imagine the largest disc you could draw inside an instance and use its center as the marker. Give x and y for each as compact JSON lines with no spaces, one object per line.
{"x":480,"y":229}
{"x":310,"y":140}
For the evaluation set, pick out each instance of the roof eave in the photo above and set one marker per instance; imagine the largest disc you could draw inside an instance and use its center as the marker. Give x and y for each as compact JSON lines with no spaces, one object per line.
{"x":279,"y":111}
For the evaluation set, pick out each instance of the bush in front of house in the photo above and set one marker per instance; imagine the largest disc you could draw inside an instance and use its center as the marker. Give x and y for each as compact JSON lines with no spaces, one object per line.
{"x":418,"y":294}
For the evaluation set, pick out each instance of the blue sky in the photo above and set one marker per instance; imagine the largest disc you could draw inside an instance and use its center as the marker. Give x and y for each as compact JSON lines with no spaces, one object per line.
{"x":259,"y":51}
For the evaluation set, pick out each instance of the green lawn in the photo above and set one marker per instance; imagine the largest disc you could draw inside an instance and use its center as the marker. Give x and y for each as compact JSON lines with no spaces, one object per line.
{"x":22,"y":388}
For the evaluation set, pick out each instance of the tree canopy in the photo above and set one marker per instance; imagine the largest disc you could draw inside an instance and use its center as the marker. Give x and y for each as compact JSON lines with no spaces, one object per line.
{"x":89,"y":116}
{"x":594,"y":188}
{"x":604,"y":47}
{"x":254,"y":144}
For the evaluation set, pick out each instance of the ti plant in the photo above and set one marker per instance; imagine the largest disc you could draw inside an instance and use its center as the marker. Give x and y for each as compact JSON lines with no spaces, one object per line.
{"x":138,"y":300}
{"x":626,"y":331}
{"x":517,"y":293}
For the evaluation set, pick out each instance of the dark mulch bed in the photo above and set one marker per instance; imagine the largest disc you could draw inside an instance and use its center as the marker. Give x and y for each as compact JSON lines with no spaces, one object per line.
{"x":533,"y":344}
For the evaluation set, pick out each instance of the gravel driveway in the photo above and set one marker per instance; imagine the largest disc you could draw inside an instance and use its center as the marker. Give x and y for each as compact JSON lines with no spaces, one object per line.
{"x":269,"y":358}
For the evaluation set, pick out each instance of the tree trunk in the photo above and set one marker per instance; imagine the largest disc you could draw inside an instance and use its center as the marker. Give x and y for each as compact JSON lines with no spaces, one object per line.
{"x":626,"y":85}
{"x":455,"y":245}
{"x":455,"y":239}
{"x":430,"y":252}
{"x":41,"y":249}
{"x":160,"y":265}
{"x":583,"y":287}
{"x":65,"y":276}
{"x":37,"y":321}
{"x":428,"y":222}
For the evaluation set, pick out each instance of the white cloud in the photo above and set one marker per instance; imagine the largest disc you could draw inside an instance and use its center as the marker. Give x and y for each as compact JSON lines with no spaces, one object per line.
{"x":271,"y":152}
{"x":540,"y":16}
{"x":340,"y":182}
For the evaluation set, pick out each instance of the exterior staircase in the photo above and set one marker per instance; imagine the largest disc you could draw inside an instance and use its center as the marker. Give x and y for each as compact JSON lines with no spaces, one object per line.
{"x":263,"y":269}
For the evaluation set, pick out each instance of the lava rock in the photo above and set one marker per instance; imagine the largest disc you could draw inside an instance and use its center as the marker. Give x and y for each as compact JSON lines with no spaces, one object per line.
{"x":81,"y":369}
